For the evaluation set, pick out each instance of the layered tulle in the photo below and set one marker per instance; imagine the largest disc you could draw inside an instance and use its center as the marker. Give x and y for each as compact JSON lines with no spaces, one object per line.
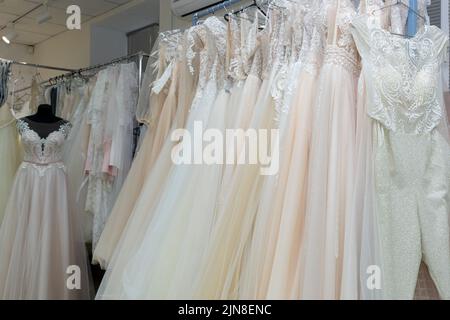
{"x":219,"y":272}
{"x":42,"y":241}
{"x":330,"y":184}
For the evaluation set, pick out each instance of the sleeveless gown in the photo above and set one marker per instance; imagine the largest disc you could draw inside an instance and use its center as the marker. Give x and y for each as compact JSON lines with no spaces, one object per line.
{"x":41,"y":241}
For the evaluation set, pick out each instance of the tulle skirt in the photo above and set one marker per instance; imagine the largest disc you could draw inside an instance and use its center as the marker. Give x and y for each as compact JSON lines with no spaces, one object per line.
{"x":330,"y":184}
{"x":166,"y":264}
{"x":219,"y":271}
{"x":43,"y":253}
{"x":144,"y":208}
{"x":268,"y":273}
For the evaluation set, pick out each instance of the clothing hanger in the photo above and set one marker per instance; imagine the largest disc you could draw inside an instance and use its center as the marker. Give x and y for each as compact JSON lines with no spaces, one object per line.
{"x":235,"y":13}
{"x":401,"y":3}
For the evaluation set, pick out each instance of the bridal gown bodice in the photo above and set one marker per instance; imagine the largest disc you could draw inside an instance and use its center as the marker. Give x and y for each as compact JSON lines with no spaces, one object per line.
{"x":43,"y":151}
{"x":406,"y":73}
{"x":341,"y":49}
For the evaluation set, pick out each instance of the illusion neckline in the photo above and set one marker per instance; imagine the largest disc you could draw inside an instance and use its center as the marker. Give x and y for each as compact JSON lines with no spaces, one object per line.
{"x":27,"y":126}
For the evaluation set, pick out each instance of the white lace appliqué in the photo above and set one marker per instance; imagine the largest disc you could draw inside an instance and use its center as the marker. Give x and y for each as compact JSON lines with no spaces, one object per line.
{"x":405,"y":73}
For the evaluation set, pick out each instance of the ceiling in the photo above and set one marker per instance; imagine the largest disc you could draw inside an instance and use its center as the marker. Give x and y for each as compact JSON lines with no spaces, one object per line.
{"x":31,"y":33}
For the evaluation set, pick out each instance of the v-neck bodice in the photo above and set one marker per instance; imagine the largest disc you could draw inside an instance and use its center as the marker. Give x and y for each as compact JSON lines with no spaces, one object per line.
{"x":43,"y":150}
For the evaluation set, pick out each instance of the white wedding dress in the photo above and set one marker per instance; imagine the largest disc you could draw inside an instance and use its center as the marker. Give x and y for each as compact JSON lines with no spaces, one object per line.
{"x":409,"y":214}
{"x":41,"y":239}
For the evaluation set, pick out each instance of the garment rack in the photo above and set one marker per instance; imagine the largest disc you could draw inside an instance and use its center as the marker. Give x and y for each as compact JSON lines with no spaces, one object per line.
{"x":72,"y":72}
{"x":33,"y":65}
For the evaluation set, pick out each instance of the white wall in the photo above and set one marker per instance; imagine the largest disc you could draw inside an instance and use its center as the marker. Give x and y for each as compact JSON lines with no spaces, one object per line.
{"x":168,"y":21}
{"x":99,"y":40}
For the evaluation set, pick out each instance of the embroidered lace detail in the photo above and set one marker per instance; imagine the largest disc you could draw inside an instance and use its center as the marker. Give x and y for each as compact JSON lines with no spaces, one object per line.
{"x":235,"y":61}
{"x":192,"y":45}
{"x":316,"y":28}
{"x":42,"y":150}
{"x":342,"y":51}
{"x":406,"y":74}
{"x":338,"y":56}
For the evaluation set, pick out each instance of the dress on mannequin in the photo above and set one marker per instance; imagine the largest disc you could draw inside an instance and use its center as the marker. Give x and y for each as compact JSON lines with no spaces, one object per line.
{"x":40,"y":240}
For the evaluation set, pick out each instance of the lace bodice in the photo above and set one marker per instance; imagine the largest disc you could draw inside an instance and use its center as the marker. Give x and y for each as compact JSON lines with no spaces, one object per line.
{"x":315,"y":30}
{"x":208,"y":40}
{"x":43,"y":151}
{"x":277,"y":40}
{"x":403,"y":76}
{"x":341,"y":48}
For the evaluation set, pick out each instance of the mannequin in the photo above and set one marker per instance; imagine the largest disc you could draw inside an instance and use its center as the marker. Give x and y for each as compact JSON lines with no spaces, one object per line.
{"x":44,"y":121}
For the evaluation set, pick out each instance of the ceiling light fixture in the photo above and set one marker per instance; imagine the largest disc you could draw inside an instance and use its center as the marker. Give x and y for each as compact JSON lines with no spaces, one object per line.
{"x":44,"y":14}
{"x":10,"y":34}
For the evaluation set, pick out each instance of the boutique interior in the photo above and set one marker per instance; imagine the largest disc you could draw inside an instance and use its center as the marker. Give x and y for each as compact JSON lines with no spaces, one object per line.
{"x":350,"y":202}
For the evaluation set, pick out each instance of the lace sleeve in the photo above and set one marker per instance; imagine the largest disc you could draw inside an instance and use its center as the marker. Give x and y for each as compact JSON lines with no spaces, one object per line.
{"x":190,"y":51}
{"x":65,"y":129}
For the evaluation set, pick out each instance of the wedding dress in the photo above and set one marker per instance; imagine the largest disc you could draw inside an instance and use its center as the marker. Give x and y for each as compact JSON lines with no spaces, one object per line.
{"x":146,"y":158}
{"x":9,"y":155}
{"x":148,"y":211}
{"x":41,"y":240}
{"x":246,"y":72}
{"x":75,"y":153}
{"x":331,"y":163}
{"x":410,"y":159}
{"x":111,"y":112}
{"x":362,"y":194}
{"x":220,"y":267}
{"x":286,"y":215}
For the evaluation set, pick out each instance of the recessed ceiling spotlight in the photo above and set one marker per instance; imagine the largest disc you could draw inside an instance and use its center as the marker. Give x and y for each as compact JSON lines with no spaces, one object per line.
{"x":10,"y":34}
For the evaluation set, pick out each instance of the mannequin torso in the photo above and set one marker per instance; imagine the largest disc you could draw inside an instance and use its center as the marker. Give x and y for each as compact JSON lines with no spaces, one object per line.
{"x":44,"y":122}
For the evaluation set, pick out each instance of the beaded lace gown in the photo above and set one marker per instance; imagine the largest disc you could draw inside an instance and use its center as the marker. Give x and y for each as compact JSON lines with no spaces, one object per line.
{"x":41,"y":241}
{"x":331,"y":168}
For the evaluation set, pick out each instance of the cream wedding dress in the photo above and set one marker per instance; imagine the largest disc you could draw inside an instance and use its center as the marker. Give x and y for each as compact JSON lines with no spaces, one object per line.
{"x":158,"y":130}
{"x":331,"y":163}
{"x":162,"y":183}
